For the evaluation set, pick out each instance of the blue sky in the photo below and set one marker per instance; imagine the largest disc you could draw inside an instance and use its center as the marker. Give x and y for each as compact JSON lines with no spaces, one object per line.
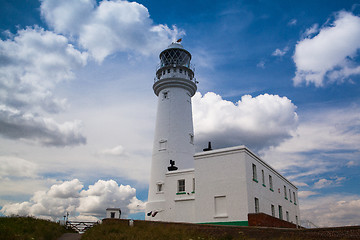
{"x":77,"y":111}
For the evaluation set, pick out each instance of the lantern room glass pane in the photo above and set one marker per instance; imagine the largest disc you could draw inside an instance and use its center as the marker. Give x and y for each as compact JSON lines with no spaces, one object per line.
{"x":175,"y":56}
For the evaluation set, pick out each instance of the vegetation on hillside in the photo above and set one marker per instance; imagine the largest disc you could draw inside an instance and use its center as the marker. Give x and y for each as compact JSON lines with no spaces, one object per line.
{"x":120,"y":229}
{"x":143,"y":230}
{"x":28,"y":228}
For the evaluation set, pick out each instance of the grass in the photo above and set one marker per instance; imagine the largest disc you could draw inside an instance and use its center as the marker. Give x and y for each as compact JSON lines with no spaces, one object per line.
{"x":120,"y":229}
{"x":143,"y":230}
{"x":29,"y":228}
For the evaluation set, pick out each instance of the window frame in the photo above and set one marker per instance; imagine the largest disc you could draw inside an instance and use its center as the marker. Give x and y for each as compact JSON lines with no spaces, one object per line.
{"x":257,"y":205}
{"x":181,"y":186}
{"x":280,"y":212}
{"x":271,"y":183}
{"x":254,"y":173}
{"x":263,"y":177}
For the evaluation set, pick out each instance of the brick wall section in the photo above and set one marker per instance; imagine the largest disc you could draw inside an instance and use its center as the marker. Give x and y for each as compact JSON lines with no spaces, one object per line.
{"x":264,"y":220}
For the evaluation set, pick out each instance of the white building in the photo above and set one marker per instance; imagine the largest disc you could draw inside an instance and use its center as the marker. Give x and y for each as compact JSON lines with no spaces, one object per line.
{"x":217,"y":186}
{"x":113,"y":213}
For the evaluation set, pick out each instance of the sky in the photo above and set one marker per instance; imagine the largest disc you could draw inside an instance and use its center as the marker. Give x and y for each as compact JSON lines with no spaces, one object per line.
{"x":77,"y":109}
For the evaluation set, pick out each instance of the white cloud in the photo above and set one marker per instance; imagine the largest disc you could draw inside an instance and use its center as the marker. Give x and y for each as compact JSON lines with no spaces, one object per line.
{"x":115,"y":151}
{"x":46,"y":131}
{"x":70,"y":196}
{"x":292,"y":22}
{"x":327,"y":57}
{"x":351,"y":164}
{"x":305,"y":194}
{"x":34,"y":61}
{"x":259,"y":122}
{"x":16,"y":167}
{"x":108,"y":27}
{"x":300,"y":184}
{"x":332,"y":210}
{"x":261,"y":64}
{"x":279,"y":53}
{"x":311,"y":31}
{"x":325,"y":140}
{"x":323,"y":183}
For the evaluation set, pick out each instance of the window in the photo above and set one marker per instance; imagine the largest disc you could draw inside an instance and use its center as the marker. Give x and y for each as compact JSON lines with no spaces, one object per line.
{"x":263,"y":178}
{"x":168,"y":70}
{"x":165,"y":95}
{"x":193,"y":185}
{"x":220,"y":206}
{"x":159,"y":187}
{"x":256,"y":205}
{"x":290,"y":194}
{"x":180,"y":70}
{"x":271,"y":183}
{"x":287,"y":216}
{"x":294,"y":198}
{"x":162,"y":145}
{"x":254,"y":173}
{"x":181,"y":185}
{"x":285,"y":193}
{"x":164,"y":72}
{"x":191,"y":138}
{"x":280,"y":212}
{"x":272,"y":210}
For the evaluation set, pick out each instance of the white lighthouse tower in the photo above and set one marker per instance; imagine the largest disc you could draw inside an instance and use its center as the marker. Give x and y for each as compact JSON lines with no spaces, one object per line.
{"x":173,"y":147}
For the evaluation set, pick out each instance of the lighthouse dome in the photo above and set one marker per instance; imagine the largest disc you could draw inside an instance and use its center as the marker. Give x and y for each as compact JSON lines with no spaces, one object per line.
{"x":175,"y":45}
{"x":175,"y":54}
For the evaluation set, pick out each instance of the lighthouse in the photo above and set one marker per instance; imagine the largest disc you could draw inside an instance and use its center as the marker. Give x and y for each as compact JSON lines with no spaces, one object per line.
{"x":224,"y":186}
{"x":173,"y":147}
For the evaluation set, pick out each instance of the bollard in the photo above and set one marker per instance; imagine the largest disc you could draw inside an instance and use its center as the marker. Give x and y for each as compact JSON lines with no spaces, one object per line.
{"x":131,"y":223}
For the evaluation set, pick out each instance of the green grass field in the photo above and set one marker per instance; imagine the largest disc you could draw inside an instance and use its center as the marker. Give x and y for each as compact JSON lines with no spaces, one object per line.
{"x":28,"y":228}
{"x":143,"y":230}
{"x":120,"y":229}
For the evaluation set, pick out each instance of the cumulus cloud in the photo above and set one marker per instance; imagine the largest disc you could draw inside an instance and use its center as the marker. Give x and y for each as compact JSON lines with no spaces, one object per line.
{"x":328,"y":56}
{"x":70,"y":196}
{"x":332,"y":210}
{"x":33,"y":62}
{"x":108,"y":27}
{"x":259,"y":122}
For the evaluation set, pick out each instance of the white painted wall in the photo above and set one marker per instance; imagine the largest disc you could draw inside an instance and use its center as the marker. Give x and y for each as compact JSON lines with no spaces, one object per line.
{"x":265,"y":195}
{"x":180,"y":207}
{"x":220,"y":173}
{"x":115,"y":211}
{"x":174,"y":132}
